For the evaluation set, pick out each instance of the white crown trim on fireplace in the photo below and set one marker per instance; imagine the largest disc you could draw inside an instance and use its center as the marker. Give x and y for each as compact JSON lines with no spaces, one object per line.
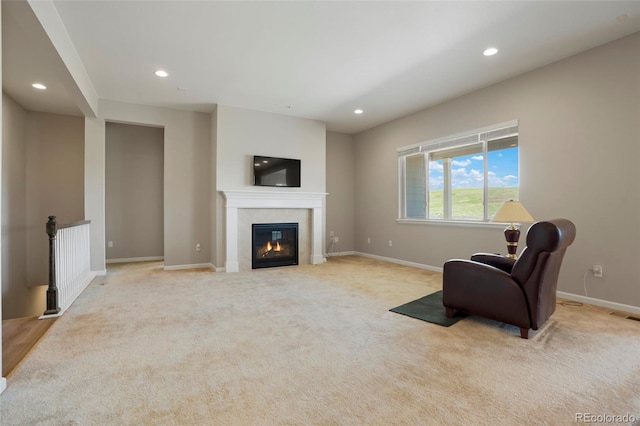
{"x":272,"y":200}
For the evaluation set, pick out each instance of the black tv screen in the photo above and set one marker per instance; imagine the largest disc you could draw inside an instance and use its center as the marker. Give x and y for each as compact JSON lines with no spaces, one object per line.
{"x":272,"y":171}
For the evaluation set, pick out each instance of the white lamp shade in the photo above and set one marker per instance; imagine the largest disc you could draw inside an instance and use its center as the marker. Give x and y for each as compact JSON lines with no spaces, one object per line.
{"x":512,"y":211}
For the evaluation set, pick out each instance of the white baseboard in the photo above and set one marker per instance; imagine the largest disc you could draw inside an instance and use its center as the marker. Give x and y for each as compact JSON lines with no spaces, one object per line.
{"x":231,"y":267}
{"x":136,"y":259}
{"x":342,"y":253}
{"x":59,"y":314}
{"x":219,"y":269}
{"x":599,"y":302}
{"x":3,"y":384}
{"x":192,"y":266}
{"x":400,"y":262}
{"x":570,"y":296}
{"x":100,"y":273}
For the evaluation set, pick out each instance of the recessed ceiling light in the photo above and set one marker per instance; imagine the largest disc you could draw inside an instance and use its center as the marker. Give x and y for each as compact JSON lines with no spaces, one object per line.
{"x":490,"y":51}
{"x":161,"y":73}
{"x":39,"y":86}
{"x":358,"y":111}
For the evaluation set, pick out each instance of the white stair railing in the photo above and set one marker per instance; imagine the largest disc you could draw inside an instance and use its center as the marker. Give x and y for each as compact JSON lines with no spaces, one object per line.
{"x":69,"y":264}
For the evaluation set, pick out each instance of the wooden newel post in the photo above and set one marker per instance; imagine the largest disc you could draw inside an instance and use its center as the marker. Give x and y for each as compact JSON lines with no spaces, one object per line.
{"x":52,"y":291}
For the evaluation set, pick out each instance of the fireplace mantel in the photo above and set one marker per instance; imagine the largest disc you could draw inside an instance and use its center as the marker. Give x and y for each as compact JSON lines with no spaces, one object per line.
{"x":272,"y":200}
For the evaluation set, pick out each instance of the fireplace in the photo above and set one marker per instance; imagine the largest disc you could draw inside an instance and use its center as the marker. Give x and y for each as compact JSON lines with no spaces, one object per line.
{"x":272,"y":201}
{"x":274,"y":244}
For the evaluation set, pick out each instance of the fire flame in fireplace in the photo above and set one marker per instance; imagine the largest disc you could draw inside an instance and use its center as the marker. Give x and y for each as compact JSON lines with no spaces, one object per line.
{"x":276,"y":248}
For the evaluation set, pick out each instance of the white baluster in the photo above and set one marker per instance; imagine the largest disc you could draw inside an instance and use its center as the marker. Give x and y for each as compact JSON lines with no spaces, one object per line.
{"x":73,"y":263}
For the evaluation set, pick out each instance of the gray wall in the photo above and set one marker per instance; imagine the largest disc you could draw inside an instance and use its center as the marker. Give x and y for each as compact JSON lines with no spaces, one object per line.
{"x":341,"y":190}
{"x":55,"y":183}
{"x":242,"y":133}
{"x":18,"y":299}
{"x":134,"y":191}
{"x":579,"y":152}
{"x":94,"y":190}
{"x":187,"y":174}
{"x":202,"y":153}
{"x":3,"y":381}
{"x":214,"y":197}
{"x":42,"y":175}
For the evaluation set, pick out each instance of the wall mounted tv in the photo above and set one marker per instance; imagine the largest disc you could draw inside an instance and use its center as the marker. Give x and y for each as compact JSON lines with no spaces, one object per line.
{"x":272,"y":171}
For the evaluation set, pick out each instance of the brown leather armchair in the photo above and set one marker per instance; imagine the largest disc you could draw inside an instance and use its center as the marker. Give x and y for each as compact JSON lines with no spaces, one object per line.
{"x":520,"y":292}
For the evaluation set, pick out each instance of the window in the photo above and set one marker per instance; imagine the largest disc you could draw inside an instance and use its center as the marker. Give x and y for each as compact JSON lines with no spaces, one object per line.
{"x":460,"y":178}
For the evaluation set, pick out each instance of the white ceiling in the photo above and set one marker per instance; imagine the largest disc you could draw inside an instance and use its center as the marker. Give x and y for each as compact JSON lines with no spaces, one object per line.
{"x":318,"y":60}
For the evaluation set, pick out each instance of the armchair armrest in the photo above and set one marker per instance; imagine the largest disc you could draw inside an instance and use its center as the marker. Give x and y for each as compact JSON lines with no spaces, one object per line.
{"x":470,"y":277}
{"x":497,"y":261}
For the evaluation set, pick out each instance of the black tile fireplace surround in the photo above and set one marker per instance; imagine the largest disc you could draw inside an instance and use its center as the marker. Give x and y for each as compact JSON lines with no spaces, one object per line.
{"x":274,"y":244}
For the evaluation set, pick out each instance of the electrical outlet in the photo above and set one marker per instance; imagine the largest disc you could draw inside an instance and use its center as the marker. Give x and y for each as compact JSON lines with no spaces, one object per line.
{"x":198,"y":247}
{"x":597,"y":271}
{"x":331,"y":234}
{"x":110,"y":243}
{"x":336,"y":239}
{"x":390,"y":243}
{"x":369,"y":240}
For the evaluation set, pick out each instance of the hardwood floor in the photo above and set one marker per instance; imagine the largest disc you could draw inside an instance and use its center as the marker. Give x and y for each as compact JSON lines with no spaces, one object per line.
{"x":18,"y":337}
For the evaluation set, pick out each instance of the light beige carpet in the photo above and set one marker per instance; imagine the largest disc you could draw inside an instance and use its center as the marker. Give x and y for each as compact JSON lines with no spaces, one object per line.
{"x":311,"y":345}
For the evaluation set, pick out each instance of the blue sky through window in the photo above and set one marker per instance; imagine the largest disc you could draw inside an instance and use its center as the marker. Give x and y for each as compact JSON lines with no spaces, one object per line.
{"x":467,"y":170}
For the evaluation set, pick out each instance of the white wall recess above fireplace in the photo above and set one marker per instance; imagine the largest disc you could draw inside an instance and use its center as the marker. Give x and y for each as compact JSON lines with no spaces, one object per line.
{"x":236,"y":200}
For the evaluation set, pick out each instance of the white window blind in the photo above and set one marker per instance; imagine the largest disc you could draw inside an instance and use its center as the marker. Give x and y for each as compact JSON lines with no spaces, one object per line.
{"x":499,"y":131}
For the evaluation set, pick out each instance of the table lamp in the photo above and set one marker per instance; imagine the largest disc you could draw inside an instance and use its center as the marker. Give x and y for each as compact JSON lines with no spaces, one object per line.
{"x":512,"y":211}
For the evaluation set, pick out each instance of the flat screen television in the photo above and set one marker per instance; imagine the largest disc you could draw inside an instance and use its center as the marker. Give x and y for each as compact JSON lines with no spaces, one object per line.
{"x":272,"y":171}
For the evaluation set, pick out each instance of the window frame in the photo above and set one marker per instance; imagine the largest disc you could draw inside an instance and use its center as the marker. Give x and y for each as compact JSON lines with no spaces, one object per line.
{"x":484,"y":136}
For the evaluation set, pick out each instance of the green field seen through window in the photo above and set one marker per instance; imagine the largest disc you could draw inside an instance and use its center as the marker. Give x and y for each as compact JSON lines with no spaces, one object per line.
{"x":467,"y":202}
